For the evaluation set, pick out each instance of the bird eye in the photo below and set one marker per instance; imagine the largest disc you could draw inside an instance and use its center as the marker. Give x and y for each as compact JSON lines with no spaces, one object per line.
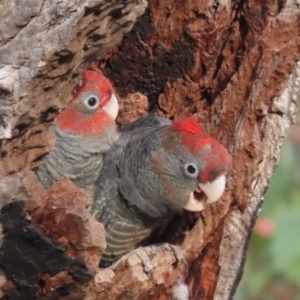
{"x":91,"y":102}
{"x":191,"y":170}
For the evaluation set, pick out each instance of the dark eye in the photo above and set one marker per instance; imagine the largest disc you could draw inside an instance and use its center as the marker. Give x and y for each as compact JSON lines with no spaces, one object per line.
{"x":191,"y":170}
{"x":91,"y":102}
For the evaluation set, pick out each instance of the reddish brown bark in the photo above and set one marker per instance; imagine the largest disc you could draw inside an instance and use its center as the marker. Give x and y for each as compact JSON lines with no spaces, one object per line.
{"x":227,"y":63}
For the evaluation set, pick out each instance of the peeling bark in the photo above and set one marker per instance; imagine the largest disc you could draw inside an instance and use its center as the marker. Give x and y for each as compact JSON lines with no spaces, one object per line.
{"x":231,"y":64}
{"x":44,"y":47}
{"x":230,"y":67}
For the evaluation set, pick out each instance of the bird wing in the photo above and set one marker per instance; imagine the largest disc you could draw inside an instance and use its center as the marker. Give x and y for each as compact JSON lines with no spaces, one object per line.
{"x":106,"y":184}
{"x":131,"y":195}
{"x":152,"y":120}
{"x":128,"y":217}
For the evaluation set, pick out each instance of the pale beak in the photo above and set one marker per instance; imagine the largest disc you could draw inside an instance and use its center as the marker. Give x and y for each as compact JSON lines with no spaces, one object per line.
{"x":206,"y":193}
{"x":112,"y":107}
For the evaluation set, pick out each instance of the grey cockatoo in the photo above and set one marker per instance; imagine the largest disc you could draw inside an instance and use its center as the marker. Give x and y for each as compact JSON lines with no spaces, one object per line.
{"x":154,"y":171}
{"x":84,"y":131}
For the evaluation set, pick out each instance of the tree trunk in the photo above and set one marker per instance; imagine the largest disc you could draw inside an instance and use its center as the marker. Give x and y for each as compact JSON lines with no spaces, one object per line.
{"x":231,"y":64}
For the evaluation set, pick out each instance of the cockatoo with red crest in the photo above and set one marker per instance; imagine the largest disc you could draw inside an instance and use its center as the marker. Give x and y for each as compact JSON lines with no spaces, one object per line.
{"x":84,"y":131}
{"x":154,"y":171}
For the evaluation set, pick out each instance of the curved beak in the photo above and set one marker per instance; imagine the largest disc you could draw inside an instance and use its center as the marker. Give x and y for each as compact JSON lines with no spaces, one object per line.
{"x":112,"y":107}
{"x":206,"y":193}
{"x":214,"y":190}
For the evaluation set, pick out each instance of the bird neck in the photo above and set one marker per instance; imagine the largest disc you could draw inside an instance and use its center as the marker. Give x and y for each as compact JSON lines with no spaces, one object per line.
{"x":71,"y":120}
{"x":88,"y":144}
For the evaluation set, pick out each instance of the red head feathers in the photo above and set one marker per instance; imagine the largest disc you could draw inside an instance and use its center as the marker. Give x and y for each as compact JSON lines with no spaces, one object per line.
{"x":188,"y":125}
{"x":216,"y":158}
{"x":93,"y":107}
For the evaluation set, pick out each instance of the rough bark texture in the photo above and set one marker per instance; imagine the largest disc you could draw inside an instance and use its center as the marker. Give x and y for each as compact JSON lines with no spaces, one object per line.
{"x":50,"y":245}
{"x":228,"y":64}
{"x":232,"y":64}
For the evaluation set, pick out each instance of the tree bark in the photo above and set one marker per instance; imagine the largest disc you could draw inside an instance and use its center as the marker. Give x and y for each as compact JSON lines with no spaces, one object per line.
{"x":231,"y":64}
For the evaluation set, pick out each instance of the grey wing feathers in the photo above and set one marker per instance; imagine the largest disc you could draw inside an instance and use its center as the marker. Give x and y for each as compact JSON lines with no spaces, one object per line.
{"x":110,"y":181}
{"x":128,"y":217}
{"x":152,"y":120}
{"x":106,"y":183}
{"x":130,"y":193}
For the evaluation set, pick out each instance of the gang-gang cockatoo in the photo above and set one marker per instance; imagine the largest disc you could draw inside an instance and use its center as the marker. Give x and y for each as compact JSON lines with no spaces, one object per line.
{"x":84,"y":131}
{"x":154,"y":171}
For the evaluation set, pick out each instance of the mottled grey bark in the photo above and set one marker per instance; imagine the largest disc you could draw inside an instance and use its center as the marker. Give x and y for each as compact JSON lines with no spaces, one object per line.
{"x":227,"y":63}
{"x":44,"y":46}
{"x":238,"y":226}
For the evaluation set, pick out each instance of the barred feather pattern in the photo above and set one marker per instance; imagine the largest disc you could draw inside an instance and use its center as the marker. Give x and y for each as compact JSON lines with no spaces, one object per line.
{"x":79,"y":159}
{"x":126,"y":225}
{"x":123,"y":235}
{"x":144,"y":181}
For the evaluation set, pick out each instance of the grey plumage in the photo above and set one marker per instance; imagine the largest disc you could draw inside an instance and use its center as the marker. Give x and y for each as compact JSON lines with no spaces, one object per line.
{"x":128,"y":201}
{"x":154,"y":171}
{"x":84,"y":131}
{"x":118,"y":200}
{"x":79,"y":159}
{"x":152,"y":120}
